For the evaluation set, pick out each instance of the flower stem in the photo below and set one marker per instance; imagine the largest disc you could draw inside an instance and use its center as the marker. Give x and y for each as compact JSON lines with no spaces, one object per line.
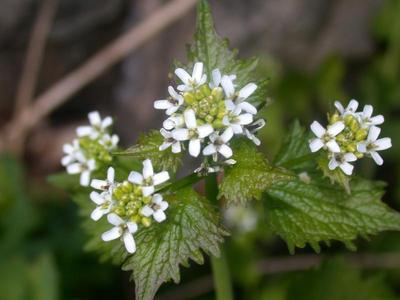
{"x":222,"y":278}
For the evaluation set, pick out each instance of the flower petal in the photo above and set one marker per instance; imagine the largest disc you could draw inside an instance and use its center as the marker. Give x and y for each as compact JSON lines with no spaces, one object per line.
{"x":112,"y":234}
{"x":160,"y":177}
{"x":225,"y":150}
{"x":159,"y":216}
{"x":97,"y":213}
{"x":367,"y":111}
{"x":373,"y":133}
{"x":227,"y":85}
{"x":85,"y":178}
{"x":147,"y":169}
{"x":339,"y":107}
{"x":362,"y":147}
{"x":147,"y":190}
{"x":247,"y":107}
{"x":227,"y":135}
{"x":333,"y":164}
{"x":197,"y":72}
{"x":216,"y":78}
{"x":84,"y":130}
{"x":110,"y":174}
{"x":114,"y":219}
{"x":383,"y":144}
{"x":245,"y":119}
{"x":316,"y":144}
{"x":194,"y":147}
{"x":229,"y":105}
{"x":181,"y":134}
{"x":317,"y":129}
{"x":97,"y":198}
{"x":66,"y":160}
{"x":353,"y":105}
{"x":204,"y":130}
{"x":129,"y":242}
{"x":146,"y":211}
{"x":333,"y":146}
{"x":99,"y":184}
{"x":183,"y":75}
{"x":94,"y":118}
{"x":247,"y":90}
{"x":335,"y":128}
{"x":377,"y":120}
{"x":107,"y":122}
{"x":350,"y":157}
{"x":132,"y":227}
{"x":190,"y":118}
{"x":377,"y":158}
{"x":347,"y":168}
{"x":162,"y":104}
{"x":176,"y":147}
{"x":209,"y":150}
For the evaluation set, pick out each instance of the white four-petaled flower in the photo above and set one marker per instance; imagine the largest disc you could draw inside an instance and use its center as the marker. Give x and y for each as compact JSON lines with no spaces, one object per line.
{"x":191,"y":82}
{"x":373,"y":144}
{"x":193,"y":132}
{"x":237,"y":99}
{"x":172,"y":104}
{"x":236,"y":120}
{"x":343,"y":162}
{"x":97,"y":126}
{"x":326,"y":137}
{"x":169,"y":141}
{"x":148,"y":180}
{"x":349,"y":110}
{"x":366,"y":118}
{"x":122,"y":229}
{"x":219,"y":144}
{"x":156,"y":208}
{"x":84,"y":167}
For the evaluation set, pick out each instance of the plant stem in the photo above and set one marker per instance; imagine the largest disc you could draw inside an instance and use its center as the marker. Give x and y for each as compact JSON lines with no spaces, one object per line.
{"x":222,"y":278}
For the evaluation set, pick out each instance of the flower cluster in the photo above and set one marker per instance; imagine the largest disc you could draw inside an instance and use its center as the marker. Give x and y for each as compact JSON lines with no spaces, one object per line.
{"x":129,"y":204}
{"x":206,"y":114}
{"x":91,"y":149}
{"x":350,"y":135}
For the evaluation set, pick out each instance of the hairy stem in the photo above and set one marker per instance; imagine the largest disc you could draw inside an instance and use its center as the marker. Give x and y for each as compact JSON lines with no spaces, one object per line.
{"x":222,"y":278}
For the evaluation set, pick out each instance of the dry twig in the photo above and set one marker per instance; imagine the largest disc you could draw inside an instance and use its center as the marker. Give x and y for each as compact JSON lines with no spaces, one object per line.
{"x":18,"y":127}
{"x":34,"y":54}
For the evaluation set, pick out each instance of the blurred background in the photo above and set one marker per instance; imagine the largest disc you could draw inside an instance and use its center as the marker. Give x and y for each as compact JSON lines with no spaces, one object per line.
{"x":314,"y":52}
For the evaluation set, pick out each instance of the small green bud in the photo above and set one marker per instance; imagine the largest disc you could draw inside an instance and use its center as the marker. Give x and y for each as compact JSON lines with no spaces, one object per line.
{"x":146,"y":222}
{"x":361,"y":134}
{"x":334,"y":118}
{"x":217,"y":93}
{"x":205,"y":90}
{"x":352,"y":147}
{"x":209,"y":119}
{"x":189,"y":98}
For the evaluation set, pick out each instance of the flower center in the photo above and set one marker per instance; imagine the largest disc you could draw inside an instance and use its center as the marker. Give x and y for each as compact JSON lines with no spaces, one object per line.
{"x":129,"y":202}
{"x":94,"y":150}
{"x":208,"y":104}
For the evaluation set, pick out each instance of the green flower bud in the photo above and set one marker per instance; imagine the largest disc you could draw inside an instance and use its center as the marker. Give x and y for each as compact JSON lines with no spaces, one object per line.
{"x":146,"y":222}
{"x":361,"y":134}
{"x":209,"y":119}
{"x":189,"y":98}
{"x":205,"y":90}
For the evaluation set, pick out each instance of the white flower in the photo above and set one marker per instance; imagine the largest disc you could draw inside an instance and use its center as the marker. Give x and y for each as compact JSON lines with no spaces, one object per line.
{"x":342,"y":161}
{"x":175,"y":121}
{"x":97,"y":126}
{"x":219,"y":144}
{"x":193,"y":132}
{"x":191,"y":82}
{"x":72,"y":151}
{"x":238,"y":99}
{"x":110,"y":142}
{"x":326,"y":137}
{"x":104,"y":204}
{"x":349,"y":110}
{"x":236,"y":120}
{"x":169,"y":141}
{"x":253,"y":128}
{"x":171,"y":104}
{"x":121,"y":229}
{"x":372,"y":145}
{"x":107,"y":184}
{"x":83,"y":167}
{"x":366,"y":118}
{"x":156,"y":208}
{"x":148,"y":180}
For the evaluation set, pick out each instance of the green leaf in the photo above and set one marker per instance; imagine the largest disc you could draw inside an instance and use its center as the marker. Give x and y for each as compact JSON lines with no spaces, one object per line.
{"x":147,"y":147}
{"x":295,"y":153}
{"x":250,"y":176}
{"x":335,"y":280}
{"x":209,"y":48}
{"x":192,"y":225}
{"x":317,"y":211}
